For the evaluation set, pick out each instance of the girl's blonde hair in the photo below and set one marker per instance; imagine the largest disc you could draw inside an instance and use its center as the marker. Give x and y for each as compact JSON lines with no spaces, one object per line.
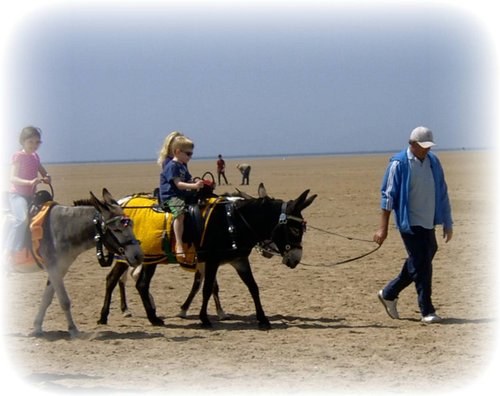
{"x":167,"y":149}
{"x":182,"y":143}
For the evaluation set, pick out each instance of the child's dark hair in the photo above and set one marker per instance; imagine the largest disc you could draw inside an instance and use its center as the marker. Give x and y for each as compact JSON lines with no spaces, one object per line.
{"x":28,"y":133}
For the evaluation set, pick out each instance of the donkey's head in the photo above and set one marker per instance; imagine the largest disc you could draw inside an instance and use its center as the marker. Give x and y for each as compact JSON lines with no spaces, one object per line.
{"x":287,"y":233}
{"x":116,"y":229}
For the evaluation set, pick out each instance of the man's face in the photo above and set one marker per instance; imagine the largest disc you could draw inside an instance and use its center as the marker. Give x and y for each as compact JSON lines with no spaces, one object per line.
{"x":418,"y":151}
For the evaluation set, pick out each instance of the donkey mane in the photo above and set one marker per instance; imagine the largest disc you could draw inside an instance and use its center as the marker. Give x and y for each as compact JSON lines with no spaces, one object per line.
{"x":83,"y":202}
{"x":90,"y":202}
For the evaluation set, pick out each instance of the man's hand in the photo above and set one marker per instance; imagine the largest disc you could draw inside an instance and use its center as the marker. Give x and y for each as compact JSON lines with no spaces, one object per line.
{"x":447,"y":234}
{"x":380,"y":236}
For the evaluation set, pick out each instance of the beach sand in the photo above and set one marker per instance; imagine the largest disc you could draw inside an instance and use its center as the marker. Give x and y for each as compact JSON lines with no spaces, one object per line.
{"x":330,"y":333}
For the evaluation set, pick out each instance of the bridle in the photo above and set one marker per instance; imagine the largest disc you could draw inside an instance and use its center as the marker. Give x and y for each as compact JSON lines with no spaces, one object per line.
{"x":268,"y":245}
{"x":105,"y":237}
{"x":283,"y":220}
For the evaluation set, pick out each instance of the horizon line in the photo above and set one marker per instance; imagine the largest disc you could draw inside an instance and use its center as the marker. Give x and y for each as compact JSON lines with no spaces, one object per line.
{"x":256,"y":156}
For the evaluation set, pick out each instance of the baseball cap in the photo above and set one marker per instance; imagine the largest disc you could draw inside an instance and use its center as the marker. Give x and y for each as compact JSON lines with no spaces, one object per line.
{"x":422,"y":136}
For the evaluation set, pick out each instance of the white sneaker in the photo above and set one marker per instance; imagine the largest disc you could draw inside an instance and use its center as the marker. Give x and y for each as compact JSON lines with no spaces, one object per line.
{"x":431,"y":318}
{"x":390,"y":306}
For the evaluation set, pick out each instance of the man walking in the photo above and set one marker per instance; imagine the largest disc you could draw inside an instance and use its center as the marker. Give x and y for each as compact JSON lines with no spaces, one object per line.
{"x":414,"y":187}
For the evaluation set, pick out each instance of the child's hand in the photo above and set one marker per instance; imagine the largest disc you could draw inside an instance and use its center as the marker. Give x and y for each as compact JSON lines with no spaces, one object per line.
{"x":199,"y":184}
{"x":47,"y":179}
{"x":36,"y":181}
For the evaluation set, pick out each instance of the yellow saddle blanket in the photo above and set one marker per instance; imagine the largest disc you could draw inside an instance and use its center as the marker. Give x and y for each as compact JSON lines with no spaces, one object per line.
{"x":153,"y":227}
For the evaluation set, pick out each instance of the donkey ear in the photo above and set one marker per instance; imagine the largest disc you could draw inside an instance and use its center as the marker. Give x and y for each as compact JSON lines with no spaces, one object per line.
{"x":108,"y":198}
{"x":297,"y":205}
{"x":262,"y":191}
{"x":95,"y":201}
{"x":308,"y":201}
{"x":301,"y":202}
{"x":244,"y":195}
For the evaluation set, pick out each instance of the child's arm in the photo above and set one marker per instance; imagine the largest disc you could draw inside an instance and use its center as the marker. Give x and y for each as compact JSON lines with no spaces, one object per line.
{"x":181,"y":185}
{"x":46,"y":177}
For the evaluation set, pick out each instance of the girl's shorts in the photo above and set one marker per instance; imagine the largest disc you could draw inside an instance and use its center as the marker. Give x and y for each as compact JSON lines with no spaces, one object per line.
{"x":177,"y":206}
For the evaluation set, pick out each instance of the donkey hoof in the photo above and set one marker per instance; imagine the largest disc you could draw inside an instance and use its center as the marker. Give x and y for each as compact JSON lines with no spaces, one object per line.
{"x":264,"y":326}
{"x":36,"y":333}
{"x":157,"y":322}
{"x":102,"y":321}
{"x":126,"y":314}
{"x":223,"y":316}
{"x":206,"y":324}
{"x":182,"y":314}
{"x":74,"y":333}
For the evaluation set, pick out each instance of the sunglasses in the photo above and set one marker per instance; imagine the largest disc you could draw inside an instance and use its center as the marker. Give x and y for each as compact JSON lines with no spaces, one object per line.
{"x":188,"y":153}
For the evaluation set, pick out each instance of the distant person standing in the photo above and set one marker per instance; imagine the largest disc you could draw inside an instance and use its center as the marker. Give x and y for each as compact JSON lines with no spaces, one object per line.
{"x":245,"y":171}
{"x":221,"y":169}
{"x":414,"y":187}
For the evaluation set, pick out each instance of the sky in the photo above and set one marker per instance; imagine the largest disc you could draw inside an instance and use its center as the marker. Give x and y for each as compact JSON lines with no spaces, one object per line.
{"x":107,"y":81}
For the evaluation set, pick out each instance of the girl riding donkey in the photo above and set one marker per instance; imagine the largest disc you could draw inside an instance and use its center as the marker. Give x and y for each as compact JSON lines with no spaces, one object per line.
{"x":176,"y":183}
{"x":27,"y":172}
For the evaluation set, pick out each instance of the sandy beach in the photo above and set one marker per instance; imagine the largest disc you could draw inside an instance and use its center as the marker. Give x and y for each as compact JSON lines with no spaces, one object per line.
{"x":330,"y":333}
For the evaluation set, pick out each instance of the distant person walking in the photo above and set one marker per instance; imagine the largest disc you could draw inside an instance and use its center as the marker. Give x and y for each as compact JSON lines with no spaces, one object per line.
{"x":221,"y":169}
{"x":414,"y":187}
{"x":245,"y":171}
{"x":27,"y":172}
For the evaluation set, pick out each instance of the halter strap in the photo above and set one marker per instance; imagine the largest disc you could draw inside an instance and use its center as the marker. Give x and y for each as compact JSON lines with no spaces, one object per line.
{"x":115,"y":247}
{"x":268,"y":245}
{"x":283,"y":219}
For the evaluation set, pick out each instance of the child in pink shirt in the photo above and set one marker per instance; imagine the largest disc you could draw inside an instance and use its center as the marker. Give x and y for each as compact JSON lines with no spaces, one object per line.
{"x":24,"y":178}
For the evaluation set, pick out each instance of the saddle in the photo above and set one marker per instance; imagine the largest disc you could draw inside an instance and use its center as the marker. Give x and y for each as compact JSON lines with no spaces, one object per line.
{"x":29,"y":258}
{"x":36,"y":229}
{"x":153,"y":226}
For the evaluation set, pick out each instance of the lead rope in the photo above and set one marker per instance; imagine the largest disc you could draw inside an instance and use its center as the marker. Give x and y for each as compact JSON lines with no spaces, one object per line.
{"x":342,"y":261}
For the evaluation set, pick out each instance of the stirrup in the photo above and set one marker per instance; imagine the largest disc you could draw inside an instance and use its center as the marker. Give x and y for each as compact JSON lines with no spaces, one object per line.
{"x":182,"y":259}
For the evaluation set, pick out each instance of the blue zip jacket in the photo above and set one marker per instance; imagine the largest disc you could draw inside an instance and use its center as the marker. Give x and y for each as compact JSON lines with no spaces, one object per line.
{"x":396,"y":186}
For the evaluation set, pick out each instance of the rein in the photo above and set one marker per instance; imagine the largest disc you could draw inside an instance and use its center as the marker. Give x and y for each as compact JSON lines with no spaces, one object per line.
{"x":342,"y":261}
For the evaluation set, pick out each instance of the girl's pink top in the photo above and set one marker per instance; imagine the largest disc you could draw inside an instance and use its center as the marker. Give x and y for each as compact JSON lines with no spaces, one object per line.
{"x":28,"y":169}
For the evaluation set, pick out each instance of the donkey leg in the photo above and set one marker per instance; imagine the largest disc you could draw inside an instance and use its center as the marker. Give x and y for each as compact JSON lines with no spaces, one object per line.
{"x":111,"y":280}
{"x":48,"y":296}
{"x":194,"y":290}
{"x":244,"y":270}
{"x":56,"y":279}
{"x":142,"y":285}
{"x":123,"y":296}
{"x":208,"y":285}
{"x":220,"y":311}
{"x":198,"y":277}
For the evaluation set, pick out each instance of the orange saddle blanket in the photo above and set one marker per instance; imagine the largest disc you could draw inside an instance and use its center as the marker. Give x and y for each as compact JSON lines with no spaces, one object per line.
{"x":23,"y":260}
